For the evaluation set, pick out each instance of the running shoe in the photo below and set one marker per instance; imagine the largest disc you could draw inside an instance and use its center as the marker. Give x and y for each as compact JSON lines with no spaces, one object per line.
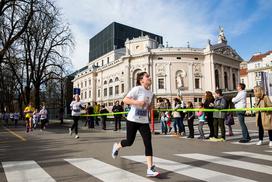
{"x":152,"y":172}
{"x":114,"y":153}
{"x":260,"y":142}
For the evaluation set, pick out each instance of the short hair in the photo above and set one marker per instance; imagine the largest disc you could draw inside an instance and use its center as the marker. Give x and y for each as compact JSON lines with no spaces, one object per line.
{"x":219,"y":92}
{"x":242,"y":85}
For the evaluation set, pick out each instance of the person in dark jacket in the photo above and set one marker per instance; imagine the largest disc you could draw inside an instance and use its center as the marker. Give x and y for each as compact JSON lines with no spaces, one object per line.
{"x":117,"y":117}
{"x":190,"y":120}
{"x":104,"y":117}
{"x":208,"y":104}
{"x":219,"y":117}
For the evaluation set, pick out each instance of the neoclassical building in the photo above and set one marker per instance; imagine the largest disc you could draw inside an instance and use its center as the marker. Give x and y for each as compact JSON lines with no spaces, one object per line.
{"x":175,"y":71}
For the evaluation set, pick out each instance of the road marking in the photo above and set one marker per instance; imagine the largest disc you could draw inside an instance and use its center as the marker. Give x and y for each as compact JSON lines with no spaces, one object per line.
{"x":25,"y":171}
{"x":268,"y":151}
{"x":251,"y":155}
{"x":229,"y":162}
{"x":187,"y":170}
{"x":15,"y":134}
{"x":105,"y":172}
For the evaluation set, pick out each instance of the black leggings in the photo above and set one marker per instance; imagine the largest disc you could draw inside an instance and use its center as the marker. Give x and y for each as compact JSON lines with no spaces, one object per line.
{"x":75,"y":124}
{"x":132,"y":128}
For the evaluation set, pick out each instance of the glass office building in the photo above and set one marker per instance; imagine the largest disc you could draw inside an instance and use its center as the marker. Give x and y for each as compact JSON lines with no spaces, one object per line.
{"x":114,"y":37}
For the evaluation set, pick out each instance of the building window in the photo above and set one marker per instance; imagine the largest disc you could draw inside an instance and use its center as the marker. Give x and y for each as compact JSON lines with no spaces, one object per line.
{"x":160,"y":58}
{"x":196,"y":58}
{"x":110,"y":81}
{"x":85,"y":95}
{"x":197,"y":99}
{"x":216,"y":74}
{"x":90,"y":82}
{"x":105,"y":92}
{"x":102,"y":62}
{"x":226,"y":80}
{"x":233,"y":81}
{"x":197,"y":83}
{"x":110,"y":91}
{"x":257,"y":65}
{"x":108,"y":60}
{"x":116,"y":89}
{"x":258,"y":74}
{"x":105,"y":82}
{"x":98,"y":93}
{"x":81,"y":95}
{"x":85,"y":83}
{"x":90,"y":93}
{"x":161,"y":83}
{"x":116,"y":79}
{"x":178,"y":57}
{"x":81,"y":84}
{"x":123,"y":88}
{"x":243,"y":80}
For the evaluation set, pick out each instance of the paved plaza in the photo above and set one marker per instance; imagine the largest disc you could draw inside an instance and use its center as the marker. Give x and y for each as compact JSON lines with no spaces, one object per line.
{"x":53,"y":155}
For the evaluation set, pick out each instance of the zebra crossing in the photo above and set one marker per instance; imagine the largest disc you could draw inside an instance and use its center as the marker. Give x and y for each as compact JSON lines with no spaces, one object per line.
{"x":32,"y":171}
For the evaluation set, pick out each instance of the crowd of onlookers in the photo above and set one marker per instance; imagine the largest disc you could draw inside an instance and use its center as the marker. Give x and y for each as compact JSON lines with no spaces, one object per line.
{"x":171,"y":117}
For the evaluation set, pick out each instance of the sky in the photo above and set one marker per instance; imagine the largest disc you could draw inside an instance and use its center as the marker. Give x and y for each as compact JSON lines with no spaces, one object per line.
{"x":247,"y":23}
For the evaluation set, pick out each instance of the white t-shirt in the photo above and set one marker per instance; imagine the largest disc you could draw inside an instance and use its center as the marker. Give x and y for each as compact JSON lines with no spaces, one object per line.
{"x":139,"y":114}
{"x":76,"y":107}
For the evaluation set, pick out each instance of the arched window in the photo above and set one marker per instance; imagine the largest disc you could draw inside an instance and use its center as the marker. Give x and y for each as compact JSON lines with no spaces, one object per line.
{"x":116,"y":79}
{"x":135,"y":76}
{"x":110,"y":81}
{"x":234,"y":81}
{"x":105,"y":82}
{"x":216,"y":75}
{"x":226,"y":80}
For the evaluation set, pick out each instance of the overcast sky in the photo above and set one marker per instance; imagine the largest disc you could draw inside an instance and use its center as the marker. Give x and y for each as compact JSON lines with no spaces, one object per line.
{"x":247,"y":23}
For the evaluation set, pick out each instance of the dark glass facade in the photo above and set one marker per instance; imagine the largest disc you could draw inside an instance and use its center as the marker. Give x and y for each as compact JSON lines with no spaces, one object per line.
{"x":114,"y":37}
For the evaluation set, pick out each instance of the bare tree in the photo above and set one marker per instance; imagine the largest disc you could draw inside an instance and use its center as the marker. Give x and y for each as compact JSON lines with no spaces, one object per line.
{"x":15,"y":16}
{"x":47,"y":40}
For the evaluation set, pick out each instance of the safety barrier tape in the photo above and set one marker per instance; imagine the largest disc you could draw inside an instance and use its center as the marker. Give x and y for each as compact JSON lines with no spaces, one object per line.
{"x":187,"y":110}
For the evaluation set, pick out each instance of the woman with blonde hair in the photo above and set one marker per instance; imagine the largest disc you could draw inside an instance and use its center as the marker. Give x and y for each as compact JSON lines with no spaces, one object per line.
{"x":263,"y":118}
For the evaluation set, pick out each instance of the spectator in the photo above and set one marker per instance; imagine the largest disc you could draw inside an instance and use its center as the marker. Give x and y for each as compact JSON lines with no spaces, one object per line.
{"x":117,"y":117}
{"x":263,"y":118}
{"x":104,"y":117}
{"x":208,"y":104}
{"x":190,"y":120}
{"x":240,"y":102}
{"x":201,"y":118}
{"x":218,"y":116}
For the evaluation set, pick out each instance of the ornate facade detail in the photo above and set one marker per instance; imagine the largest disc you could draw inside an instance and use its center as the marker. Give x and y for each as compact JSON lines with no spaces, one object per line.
{"x":161,"y":70}
{"x":228,"y":51}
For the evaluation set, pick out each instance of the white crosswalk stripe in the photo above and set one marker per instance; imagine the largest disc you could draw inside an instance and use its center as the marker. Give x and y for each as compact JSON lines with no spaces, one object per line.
{"x":229,"y":162}
{"x":105,"y":172}
{"x":187,"y":170}
{"x":31,"y":171}
{"x":25,"y":171}
{"x":251,"y":155}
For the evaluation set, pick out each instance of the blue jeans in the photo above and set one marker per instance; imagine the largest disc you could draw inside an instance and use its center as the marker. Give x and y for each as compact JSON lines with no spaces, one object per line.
{"x":241,"y":118}
{"x":163,"y":127}
{"x":179,"y":122}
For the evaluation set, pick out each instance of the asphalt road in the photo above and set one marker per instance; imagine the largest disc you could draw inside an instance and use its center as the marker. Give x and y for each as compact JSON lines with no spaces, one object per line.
{"x":54,"y":155}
